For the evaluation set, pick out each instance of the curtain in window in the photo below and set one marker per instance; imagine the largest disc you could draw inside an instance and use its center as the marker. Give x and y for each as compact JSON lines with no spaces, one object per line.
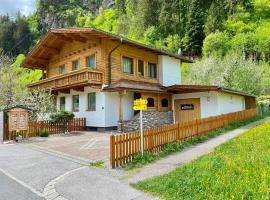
{"x":127,"y":65}
{"x":76,"y":103}
{"x":62,"y":103}
{"x":91,"y":61}
{"x":152,"y":70}
{"x":92,"y":101}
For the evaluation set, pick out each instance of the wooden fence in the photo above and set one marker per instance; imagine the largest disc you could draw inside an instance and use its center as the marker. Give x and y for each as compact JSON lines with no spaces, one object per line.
{"x":34,"y":127}
{"x":124,"y":147}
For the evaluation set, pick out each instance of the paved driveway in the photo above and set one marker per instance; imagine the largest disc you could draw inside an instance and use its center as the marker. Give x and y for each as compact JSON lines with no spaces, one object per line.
{"x":27,"y":174}
{"x":84,"y":146}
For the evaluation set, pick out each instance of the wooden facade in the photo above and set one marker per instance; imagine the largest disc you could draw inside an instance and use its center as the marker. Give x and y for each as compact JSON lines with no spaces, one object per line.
{"x":59,"y":49}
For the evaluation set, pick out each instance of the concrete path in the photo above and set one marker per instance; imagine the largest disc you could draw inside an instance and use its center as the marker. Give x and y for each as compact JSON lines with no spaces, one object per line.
{"x":169,"y":163}
{"x":27,"y":174}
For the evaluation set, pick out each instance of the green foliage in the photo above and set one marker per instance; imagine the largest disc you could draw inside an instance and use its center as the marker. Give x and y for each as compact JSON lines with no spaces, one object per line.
{"x":195,"y":33}
{"x":15,"y":36}
{"x":61,"y":116}
{"x":97,"y":164}
{"x":44,"y":133}
{"x":238,"y":169}
{"x":139,"y":160}
{"x":231,"y":71}
{"x":216,"y":44}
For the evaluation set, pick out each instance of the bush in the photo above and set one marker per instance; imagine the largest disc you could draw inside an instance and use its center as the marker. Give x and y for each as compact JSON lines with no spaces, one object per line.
{"x":44,"y":133}
{"x":61,"y":116}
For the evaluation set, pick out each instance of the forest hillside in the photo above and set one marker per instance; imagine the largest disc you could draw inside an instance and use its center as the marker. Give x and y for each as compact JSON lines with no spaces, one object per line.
{"x":229,"y":39}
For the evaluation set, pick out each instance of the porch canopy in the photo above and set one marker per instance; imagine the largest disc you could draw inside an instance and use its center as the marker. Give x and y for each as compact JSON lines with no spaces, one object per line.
{"x":135,"y":86}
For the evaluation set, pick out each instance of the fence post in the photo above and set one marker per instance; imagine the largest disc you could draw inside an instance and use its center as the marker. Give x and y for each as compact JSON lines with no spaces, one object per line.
{"x":112,"y":151}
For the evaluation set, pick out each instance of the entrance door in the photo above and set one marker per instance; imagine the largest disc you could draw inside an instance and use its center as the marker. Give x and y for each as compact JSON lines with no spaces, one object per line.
{"x":187,"y":109}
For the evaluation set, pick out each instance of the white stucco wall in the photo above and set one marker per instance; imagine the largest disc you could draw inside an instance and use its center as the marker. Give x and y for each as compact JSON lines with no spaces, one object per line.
{"x":208,"y":101}
{"x":169,"y":70}
{"x":128,"y":111}
{"x":106,"y":114}
{"x":228,"y":103}
{"x":93,"y":118}
{"x":215,"y":103}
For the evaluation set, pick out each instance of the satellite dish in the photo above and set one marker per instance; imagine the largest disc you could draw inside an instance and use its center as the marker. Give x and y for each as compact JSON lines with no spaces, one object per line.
{"x":179,"y":51}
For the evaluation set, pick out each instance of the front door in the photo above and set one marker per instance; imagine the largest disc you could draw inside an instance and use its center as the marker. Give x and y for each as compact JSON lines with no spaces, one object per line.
{"x":187,"y":109}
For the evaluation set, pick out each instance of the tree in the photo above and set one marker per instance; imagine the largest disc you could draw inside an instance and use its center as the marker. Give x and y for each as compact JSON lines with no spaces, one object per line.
{"x":13,"y":88}
{"x":195,"y":28}
{"x":232,"y":71}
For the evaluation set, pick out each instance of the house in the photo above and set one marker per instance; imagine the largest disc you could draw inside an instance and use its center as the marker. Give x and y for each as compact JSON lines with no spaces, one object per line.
{"x":98,"y":75}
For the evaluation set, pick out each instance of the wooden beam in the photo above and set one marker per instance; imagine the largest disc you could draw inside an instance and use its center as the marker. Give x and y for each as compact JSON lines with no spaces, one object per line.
{"x":54,"y":50}
{"x":63,"y":38}
{"x":79,"y":38}
{"x":43,"y":60}
{"x":79,"y":89}
{"x":66,"y":91}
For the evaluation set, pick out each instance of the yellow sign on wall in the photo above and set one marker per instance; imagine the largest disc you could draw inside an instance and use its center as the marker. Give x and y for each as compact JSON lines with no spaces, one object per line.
{"x":140,"y":104}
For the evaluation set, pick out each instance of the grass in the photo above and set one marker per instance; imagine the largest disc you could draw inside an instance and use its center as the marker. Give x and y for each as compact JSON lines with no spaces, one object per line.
{"x":139,"y":160}
{"x":97,"y":164}
{"x":238,"y":169}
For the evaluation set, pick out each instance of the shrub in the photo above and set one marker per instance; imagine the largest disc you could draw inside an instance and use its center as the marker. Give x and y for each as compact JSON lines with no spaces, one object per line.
{"x":61,"y":116}
{"x":44,"y":133}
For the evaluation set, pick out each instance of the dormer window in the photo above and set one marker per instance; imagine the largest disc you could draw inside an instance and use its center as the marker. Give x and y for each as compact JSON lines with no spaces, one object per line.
{"x":91,"y":61}
{"x":62,"y":69}
{"x":127,"y":65}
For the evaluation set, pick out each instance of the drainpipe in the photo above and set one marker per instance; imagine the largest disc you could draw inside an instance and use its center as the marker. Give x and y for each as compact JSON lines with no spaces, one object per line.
{"x":110,"y":60}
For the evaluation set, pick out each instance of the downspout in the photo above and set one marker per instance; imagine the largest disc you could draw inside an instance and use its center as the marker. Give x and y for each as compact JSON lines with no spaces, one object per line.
{"x":110,"y":61}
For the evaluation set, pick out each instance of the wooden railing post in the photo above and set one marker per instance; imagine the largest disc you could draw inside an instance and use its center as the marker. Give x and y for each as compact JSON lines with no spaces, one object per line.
{"x":112,"y":151}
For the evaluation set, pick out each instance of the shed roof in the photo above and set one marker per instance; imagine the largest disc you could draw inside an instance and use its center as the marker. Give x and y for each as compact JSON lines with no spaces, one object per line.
{"x":203,"y":88}
{"x":54,"y":39}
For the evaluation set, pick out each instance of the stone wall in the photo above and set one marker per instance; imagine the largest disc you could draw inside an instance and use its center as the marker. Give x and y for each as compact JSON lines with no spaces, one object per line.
{"x":151,"y":119}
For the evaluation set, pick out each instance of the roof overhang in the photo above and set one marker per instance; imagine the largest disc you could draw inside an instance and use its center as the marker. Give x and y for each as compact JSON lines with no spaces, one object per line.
{"x":134,"y":86}
{"x":202,"y":88}
{"x":52,"y":42}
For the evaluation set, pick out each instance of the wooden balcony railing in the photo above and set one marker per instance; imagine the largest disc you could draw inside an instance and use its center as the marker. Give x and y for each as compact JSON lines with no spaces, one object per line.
{"x":81,"y":77}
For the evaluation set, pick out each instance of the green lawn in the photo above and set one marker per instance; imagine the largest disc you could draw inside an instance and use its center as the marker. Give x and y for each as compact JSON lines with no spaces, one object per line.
{"x":238,"y":169}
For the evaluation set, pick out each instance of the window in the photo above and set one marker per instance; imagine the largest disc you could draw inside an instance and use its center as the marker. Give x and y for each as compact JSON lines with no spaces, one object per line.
{"x":75,"y":65}
{"x":164,"y":103}
{"x":75,"y":103}
{"x":127,"y":65}
{"x":62,"y":69}
{"x":62,"y":103}
{"x":150,"y":102}
{"x":152,"y":70}
{"x":92,"y":101}
{"x":140,"y":68}
{"x":91,"y":61}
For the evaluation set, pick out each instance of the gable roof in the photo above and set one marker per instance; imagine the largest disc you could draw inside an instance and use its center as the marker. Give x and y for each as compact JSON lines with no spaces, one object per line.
{"x":54,"y":39}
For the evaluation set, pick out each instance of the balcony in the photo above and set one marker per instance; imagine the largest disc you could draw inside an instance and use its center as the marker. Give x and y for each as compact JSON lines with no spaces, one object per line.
{"x":79,"y":78}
